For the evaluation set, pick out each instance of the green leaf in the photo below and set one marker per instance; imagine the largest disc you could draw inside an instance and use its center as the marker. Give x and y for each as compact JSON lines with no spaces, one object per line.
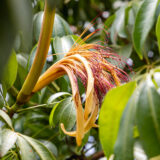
{"x":31,"y":59}
{"x":68,"y":116}
{"x":158,"y":31}
{"x":110,"y":114}
{"x":125,"y":140}
{"x":64,"y":112}
{"x":118,"y":26}
{"x":26,"y":151}
{"x":62,"y":45}
{"x":22,"y":16}
{"x":10,"y":71}
{"x":125,"y":51}
{"x":40,"y":149}
{"x":57,"y":95}
{"x":61,"y":27}
{"x":50,"y":146}
{"x":51,"y":122}
{"x":7,"y":34}
{"x":7,"y":140}
{"x":6,"y":118}
{"x":109,"y":21}
{"x":143,"y":24}
{"x":148,"y":119}
{"x":22,"y":70}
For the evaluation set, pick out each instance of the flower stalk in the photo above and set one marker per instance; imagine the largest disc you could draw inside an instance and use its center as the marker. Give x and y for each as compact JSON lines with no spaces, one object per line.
{"x":41,"y":54}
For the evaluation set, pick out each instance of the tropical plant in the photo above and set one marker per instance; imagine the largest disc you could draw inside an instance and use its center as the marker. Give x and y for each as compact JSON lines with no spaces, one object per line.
{"x":50,"y":99}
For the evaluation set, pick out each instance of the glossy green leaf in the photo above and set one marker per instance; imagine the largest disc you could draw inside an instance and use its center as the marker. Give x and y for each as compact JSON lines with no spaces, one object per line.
{"x":26,"y":151}
{"x":65,"y":113}
{"x":39,"y":148}
{"x":148,"y":119}
{"x":10,"y":71}
{"x":60,"y":28}
{"x":143,"y":24}
{"x":5,"y":118}
{"x":158,"y":31}
{"x":51,"y":122}
{"x":57,"y":95}
{"x":62,"y":45}
{"x":68,"y":115}
{"x":7,"y":140}
{"x":125,"y":140}
{"x":110,"y":114}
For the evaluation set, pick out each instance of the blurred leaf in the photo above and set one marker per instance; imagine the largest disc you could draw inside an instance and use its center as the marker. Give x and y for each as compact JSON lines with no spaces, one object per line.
{"x":7,"y":34}
{"x":109,"y":21}
{"x":40,"y":149}
{"x":10,"y":71}
{"x":22,"y":70}
{"x":60,"y":28}
{"x":50,"y":146}
{"x":125,"y":51}
{"x":143,"y":24}
{"x":27,"y":153}
{"x":125,"y":140}
{"x":148,"y":119}
{"x":113,"y":106}
{"x":6,"y":118}
{"x":1,"y":101}
{"x":118,"y":26}
{"x":7,"y":140}
{"x":31,"y":59}
{"x":22,"y":16}
{"x":158,"y":31}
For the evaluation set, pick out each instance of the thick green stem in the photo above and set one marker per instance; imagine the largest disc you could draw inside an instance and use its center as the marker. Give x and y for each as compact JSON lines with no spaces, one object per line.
{"x":41,"y":54}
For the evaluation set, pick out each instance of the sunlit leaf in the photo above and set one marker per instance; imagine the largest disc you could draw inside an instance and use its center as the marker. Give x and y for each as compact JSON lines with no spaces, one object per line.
{"x":7,"y":140}
{"x":6,"y":118}
{"x":39,"y":148}
{"x":110,"y":114}
{"x":125,"y":140}
{"x":27,"y":153}
{"x":10,"y":71}
{"x":143,"y":24}
{"x":158,"y":32}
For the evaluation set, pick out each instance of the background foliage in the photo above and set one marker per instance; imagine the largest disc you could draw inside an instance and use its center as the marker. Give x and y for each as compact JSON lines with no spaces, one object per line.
{"x":129,"y":120}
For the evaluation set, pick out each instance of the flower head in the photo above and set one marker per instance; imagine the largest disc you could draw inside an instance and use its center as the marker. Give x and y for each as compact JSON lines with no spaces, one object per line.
{"x":90,"y":63}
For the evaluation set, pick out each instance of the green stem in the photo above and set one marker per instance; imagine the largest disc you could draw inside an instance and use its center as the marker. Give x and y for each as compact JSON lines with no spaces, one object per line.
{"x":40,"y":57}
